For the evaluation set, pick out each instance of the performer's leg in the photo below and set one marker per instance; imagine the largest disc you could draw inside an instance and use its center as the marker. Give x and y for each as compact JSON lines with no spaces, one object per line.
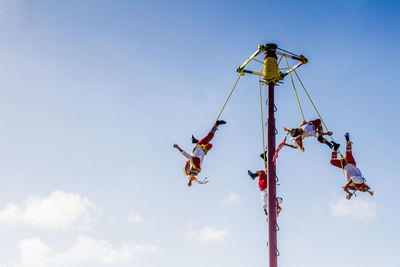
{"x":210,"y":135}
{"x":264,"y":198}
{"x":334,"y":160}
{"x":207,"y":138}
{"x":324,"y":141}
{"x":317,"y":124}
{"x":252,"y":175}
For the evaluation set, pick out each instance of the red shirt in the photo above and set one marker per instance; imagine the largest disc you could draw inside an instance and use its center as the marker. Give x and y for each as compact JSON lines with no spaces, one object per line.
{"x":262,"y":180}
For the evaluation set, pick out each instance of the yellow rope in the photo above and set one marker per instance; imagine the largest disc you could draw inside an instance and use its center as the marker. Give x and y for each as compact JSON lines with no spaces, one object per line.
{"x":258,"y":61}
{"x":294,"y":87}
{"x":320,"y":117}
{"x":279,"y":61}
{"x":262,"y":122}
{"x":229,"y":96}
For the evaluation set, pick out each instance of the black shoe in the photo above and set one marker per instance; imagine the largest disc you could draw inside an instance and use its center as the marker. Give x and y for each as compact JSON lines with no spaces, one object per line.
{"x":218,"y":123}
{"x":329,"y":144}
{"x":194,"y":140}
{"x":262,"y":155}
{"x":252,"y":175}
{"x":347,"y":136}
{"x":335,"y":146}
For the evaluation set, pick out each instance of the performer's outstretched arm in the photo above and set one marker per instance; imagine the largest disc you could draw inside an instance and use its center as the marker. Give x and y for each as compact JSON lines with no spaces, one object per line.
{"x":184,"y":153}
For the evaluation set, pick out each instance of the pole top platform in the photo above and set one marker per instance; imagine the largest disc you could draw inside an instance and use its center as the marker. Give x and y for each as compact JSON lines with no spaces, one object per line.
{"x":268,"y":47}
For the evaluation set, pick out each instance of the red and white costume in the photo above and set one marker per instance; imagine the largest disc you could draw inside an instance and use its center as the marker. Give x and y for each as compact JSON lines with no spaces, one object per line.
{"x":310,"y":128}
{"x":263,"y":183}
{"x":200,"y":150}
{"x":349,"y":166}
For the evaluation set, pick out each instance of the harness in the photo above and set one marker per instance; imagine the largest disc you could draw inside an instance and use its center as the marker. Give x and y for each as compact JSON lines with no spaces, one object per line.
{"x":362,"y":187}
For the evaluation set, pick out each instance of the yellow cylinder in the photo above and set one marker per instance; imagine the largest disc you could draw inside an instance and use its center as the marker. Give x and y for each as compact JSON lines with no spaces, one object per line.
{"x":271,"y":70}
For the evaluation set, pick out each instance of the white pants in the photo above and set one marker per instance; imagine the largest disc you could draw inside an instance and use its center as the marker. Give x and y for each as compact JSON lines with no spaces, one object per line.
{"x":264,"y":198}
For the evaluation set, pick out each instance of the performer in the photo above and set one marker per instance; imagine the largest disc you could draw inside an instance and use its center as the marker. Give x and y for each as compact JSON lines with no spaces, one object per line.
{"x":307,"y":129}
{"x":263,"y":184}
{"x":193,"y":165}
{"x":355,"y":180}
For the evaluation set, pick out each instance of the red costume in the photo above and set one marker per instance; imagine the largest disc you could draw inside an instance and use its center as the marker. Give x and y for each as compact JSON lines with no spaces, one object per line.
{"x":262,"y":180}
{"x":348,"y":159}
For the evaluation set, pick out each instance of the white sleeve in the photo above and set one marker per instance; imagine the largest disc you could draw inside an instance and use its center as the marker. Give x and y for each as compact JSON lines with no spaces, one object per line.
{"x":186,"y":155}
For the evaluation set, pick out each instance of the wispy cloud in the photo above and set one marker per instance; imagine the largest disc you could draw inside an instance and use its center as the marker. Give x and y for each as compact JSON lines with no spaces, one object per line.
{"x":208,"y":234}
{"x":135,"y":218}
{"x":356,"y":208}
{"x":34,"y":252}
{"x":232,"y":198}
{"x":59,"y":210}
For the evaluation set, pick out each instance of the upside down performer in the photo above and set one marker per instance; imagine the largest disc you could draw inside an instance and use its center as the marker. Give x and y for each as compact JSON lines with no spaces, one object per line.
{"x":355,"y":180}
{"x":307,"y":129}
{"x":263,"y":184}
{"x":193,"y":165}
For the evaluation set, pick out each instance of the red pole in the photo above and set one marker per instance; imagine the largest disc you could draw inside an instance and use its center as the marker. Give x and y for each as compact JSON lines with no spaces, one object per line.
{"x":272,"y":205}
{"x":272,"y":226}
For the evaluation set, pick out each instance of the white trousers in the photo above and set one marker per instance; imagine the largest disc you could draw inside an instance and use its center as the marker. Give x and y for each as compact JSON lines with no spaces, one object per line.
{"x":264,"y":198}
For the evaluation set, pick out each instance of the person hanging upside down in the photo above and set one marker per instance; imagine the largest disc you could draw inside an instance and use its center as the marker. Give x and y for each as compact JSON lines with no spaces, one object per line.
{"x":355,"y":180}
{"x":307,"y":129}
{"x":193,"y":165}
{"x":263,"y":184}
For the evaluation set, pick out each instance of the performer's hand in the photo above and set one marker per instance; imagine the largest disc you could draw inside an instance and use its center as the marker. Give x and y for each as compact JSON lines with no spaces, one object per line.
{"x":176,"y":146}
{"x":329,"y":133}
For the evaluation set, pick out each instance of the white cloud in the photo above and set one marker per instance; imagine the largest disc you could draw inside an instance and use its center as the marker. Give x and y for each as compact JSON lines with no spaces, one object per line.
{"x":232,"y":198}
{"x":33,"y":252}
{"x":57,"y":211}
{"x":135,"y":218}
{"x":356,"y":208}
{"x":208,"y":234}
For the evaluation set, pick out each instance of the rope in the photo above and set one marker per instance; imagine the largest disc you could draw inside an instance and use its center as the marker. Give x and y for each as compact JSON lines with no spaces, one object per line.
{"x":280,"y":146}
{"x":229,"y":96}
{"x":294,"y":87}
{"x":320,"y":117}
{"x":279,"y":61}
{"x":288,"y":52}
{"x":262,"y":122}
{"x":258,"y":61}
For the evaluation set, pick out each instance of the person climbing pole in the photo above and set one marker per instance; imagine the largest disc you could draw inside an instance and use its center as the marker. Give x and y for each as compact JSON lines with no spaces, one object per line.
{"x":193,"y":165}
{"x":263,"y":184}
{"x":355,"y":180}
{"x":307,"y":129}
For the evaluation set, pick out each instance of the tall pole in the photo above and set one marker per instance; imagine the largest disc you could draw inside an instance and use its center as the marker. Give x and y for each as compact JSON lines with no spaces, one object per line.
{"x":272,"y":205}
{"x":272,"y":75}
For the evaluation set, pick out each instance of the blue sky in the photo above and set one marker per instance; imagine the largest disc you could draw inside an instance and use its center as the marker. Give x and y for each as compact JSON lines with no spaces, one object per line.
{"x":94,"y":93}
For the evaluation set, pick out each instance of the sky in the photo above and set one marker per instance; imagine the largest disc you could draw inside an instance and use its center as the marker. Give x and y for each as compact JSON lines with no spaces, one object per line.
{"x":93,"y":94}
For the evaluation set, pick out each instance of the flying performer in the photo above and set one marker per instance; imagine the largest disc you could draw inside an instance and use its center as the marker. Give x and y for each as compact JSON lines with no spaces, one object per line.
{"x":263,"y":184}
{"x":307,"y":129}
{"x":355,"y":180}
{"x":194,"y":161}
